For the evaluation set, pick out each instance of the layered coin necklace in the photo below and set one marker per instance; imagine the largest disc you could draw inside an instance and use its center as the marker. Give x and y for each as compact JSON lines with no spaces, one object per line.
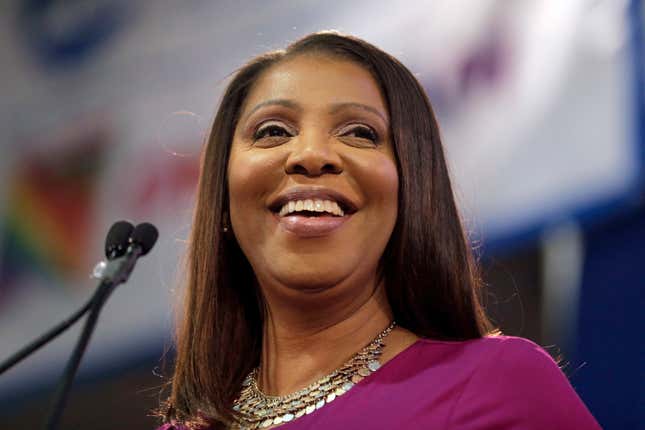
{"x":259,"y":410}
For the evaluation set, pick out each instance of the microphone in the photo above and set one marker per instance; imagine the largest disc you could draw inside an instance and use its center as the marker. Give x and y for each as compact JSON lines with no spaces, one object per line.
{"x":124,"y":244}
{"x":117,"y":239}
{"x":139,"y":243}
{"x":116,"y":242}
{"x":116,"y":271}
{"x":144,"y":237}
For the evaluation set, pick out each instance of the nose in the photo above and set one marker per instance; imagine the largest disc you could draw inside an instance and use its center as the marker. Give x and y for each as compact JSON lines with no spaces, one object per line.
{"x":313,"y":156}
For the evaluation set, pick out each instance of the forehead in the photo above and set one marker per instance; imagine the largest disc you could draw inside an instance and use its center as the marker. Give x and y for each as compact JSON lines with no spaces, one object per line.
{"x":315,"y":80}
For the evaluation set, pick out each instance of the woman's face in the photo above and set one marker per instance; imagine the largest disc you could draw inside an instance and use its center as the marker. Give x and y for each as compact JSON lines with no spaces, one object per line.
{"x":312,"y":175}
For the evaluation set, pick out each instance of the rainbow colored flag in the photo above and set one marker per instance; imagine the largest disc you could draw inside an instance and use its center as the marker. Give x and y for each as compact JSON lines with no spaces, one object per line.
{"x":50,"y":205}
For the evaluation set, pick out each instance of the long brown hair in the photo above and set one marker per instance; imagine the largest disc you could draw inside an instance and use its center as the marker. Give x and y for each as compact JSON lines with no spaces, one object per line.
{"x":431,"y":278}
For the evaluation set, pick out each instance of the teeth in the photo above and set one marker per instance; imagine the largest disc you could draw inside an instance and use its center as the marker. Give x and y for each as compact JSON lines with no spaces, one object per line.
{"x":311,"y":206}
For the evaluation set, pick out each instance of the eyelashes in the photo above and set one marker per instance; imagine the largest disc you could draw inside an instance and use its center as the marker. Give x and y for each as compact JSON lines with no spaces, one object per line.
{"x":271,"y":130}
{"x":354,"y":132}
{"x":363,"y":132}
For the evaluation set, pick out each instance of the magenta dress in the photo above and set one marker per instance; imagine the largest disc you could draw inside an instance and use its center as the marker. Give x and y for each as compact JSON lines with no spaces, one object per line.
{"x":500,"y":383}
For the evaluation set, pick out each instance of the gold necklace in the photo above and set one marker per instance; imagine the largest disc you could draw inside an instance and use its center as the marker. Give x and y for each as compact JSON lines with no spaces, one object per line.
{"x":257,"y":410}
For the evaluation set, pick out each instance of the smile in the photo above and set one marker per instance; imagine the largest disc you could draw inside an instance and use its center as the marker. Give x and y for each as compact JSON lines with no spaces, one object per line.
{"x":311,"y":207}
{"x":312,"y":211}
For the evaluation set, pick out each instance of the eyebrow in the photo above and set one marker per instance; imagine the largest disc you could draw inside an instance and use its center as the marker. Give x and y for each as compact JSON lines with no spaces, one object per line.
{"x":335,"y":108}
{"x":279,"y":102}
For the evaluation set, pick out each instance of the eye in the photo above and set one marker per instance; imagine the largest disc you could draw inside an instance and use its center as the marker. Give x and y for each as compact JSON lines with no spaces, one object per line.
{"x":362,"y":132}
{"x":270,"y":130}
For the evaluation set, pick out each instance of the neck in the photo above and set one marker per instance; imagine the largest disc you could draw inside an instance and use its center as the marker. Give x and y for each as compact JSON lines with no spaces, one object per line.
{"x":303,"y":342}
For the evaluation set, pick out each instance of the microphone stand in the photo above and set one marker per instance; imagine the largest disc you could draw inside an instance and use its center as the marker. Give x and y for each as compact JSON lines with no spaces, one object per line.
{"x":65,"y":384}
{"x":117,"y":239}
{"x":116,"y":272}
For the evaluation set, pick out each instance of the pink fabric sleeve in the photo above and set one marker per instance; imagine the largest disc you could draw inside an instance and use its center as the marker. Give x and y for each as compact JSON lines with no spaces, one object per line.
{"x":520,"y":387}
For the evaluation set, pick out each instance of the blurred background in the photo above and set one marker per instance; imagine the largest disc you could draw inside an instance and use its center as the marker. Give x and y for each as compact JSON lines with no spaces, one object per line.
{"x":103,"y":113}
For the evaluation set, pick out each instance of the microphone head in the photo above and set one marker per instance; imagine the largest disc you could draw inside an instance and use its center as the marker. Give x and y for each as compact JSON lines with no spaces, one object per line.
{"x":145,"y":235}
{"x":117,"y":239}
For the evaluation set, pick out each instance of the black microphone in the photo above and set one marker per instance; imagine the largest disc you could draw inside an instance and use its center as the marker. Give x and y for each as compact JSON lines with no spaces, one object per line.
{"x":124,"y":244}
{"x":145,"y":236}
{"x":115,"y":272}
{"x":117,"y":239}
{"x":116,"y":242}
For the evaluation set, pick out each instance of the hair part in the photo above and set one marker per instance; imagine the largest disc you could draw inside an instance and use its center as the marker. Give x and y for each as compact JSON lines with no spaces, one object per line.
{"x":431,"y":278}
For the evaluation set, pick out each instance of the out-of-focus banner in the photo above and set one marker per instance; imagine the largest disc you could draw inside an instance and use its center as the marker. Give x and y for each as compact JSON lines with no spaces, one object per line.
{"x":105,"y":105}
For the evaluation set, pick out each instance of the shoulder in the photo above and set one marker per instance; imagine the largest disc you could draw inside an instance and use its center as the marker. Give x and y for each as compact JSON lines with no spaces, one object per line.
{"x":501,"y":354}
{"x":516,"y":359}
{"x":464,"y":359}
{"x":516,"y":384}
{"x":488,"y":343}
{"x":515,"y":353}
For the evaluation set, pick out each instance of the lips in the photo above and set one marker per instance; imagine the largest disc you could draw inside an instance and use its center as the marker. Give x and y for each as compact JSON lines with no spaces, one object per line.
{"x":313,"y":193}
{"x":304,"y":226}
{"x":306,"y":222}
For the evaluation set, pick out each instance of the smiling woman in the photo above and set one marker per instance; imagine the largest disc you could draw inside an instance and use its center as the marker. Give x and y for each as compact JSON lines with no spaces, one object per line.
{"x":330,"y":282}
{"x":321,"y":150}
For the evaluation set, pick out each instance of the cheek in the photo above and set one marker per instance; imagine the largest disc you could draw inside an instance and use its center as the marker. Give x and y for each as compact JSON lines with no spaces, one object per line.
{"x":251,"y":176}
{"x":389,"y":181}
{"x":379,"y":179}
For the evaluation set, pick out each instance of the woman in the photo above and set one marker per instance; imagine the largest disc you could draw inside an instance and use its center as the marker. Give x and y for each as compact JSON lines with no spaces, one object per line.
{"x":330,"y":281}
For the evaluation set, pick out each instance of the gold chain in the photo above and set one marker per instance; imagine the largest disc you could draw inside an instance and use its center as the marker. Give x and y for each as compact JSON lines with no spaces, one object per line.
{"x":259,"y":410}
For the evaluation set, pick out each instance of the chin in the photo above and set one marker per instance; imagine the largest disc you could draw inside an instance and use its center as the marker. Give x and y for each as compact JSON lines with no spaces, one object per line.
{"x":310,"y":281}
{"x":314,"y":272}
